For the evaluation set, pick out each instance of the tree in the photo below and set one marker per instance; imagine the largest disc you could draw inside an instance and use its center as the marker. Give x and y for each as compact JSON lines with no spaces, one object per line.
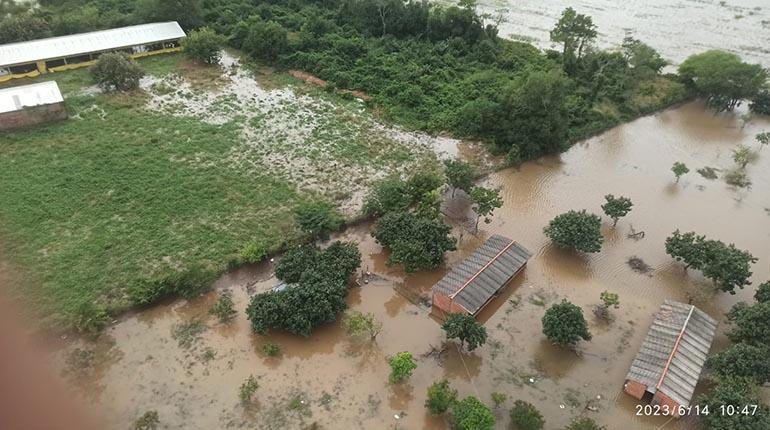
{"x":726,"y":265}
{"x":577,"y":230}
{"x":188,"y":13}
{"x":751,"y":323}
{"x":644,"y":60}
{"x":22,"y":27}
{"x":525,"y":416}
{"x":116,"y":71}
{"x":470,"y":414}
{"x":266,"y":40}
{"x":317,"y":219}
{"x":574,"y":31}
{"x":722,"y":78}
{"x":401,"y":366}
{"x":247,"y":389}
{"x":616,"y":208}
{"x":359,"y":324}
{"x":584,"y":423}
{"x":608,"y":300}
{"x":485,"y":201}
{"x":467,"y":329}
{"x":763,"y":293}
{"x":763,"y":139}
{"x":459,"y":175}
{"x":417,"y":243}
{"x":440,"y":397}
{"x":679,"y":169}
{"x":564,"y":325}
{"x":742,"y":155}
{"x":396,"y":195}
{"x":742,"y":360}
{"x":203,"y":45}
{"x":316,"y":294}
{"x":738,"y":394}
{"x":761,"y":103}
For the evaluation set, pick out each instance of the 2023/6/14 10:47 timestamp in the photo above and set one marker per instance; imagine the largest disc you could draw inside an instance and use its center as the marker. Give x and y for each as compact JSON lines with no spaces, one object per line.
{"x":661,"y":410}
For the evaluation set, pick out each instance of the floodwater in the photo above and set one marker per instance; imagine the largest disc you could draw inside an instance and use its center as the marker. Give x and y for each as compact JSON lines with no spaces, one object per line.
{"x":340,"y":383}
{"x":677,"y":29}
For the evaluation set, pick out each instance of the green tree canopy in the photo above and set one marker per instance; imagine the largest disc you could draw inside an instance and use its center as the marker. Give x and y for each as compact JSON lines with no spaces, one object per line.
{"x":188,"y":13}
{"x":401,"y":366}
{"x":466,"y":328}
{"x":459,"y":175}
{"x":616,"y":207}
{"x":440,"y":397}
{"x":575,"y":32}
{"x":763,"y":292}
{"x":485,"y":201}
{"x":471,"y":414}
{"x":742,"y":360}
{"x":751,"y":323}
{"x":584,"y":423}
{"x":564,"y":325}
{"x":722,"y":78}
{"x":317,"y":219}
{"x":360,"y":324}
{"x":525,"y":416}
{"x":577,"y":230}
{"x":266,"y":40}
{"x":644,"y":60}
{"x":116,"y":71}
{"x":738,"y":394}
{"x":679,"y":169}
{"x":203,"y":45}
{"x":417,"y":243}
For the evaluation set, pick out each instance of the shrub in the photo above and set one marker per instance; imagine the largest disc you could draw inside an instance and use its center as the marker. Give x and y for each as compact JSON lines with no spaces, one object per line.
{"x":564,"y":325}
{"x":148,"y":421}
{"x":247,"y":390}
{"x":317,"y":219}
{"x":359,"y":324}
{"x":396,"y":195}
{"x":223,"y":308}
{"x":401,"y":366}
{"x":271,"y":349}
{"x":467,"y":329}
{"x":90,"y":319}
{"x":584,"y":423}
{"x":577,"y":230}
{"x":253,"y":252}
{"x":187,"y":284}
{"x":498,"y":398}
{"x":761,"y":103}
{"x":203,"y":45}
{"x":471,"y":414}
{"x":616,"y":207}
{"x":525,"y":416}
{"x":116,"y":71}
{"x":440,"y":397}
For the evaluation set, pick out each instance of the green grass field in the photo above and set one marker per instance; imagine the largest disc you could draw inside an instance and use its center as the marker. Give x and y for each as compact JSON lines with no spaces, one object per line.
{"x":118,"y":192}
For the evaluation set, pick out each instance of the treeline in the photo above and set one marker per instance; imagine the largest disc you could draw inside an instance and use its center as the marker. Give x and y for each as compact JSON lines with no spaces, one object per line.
{"x":430,"y":67}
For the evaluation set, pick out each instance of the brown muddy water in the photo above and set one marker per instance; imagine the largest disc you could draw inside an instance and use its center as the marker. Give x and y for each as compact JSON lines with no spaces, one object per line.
{"x":676,"y":29}
{"x":339,"y":383}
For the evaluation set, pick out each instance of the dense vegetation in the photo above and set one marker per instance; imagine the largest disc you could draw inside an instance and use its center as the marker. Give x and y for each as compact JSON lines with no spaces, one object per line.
{"x":438,"y":68}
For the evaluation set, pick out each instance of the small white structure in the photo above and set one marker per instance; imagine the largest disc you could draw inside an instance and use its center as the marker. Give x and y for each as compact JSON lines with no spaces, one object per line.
{"x":57,"y":53}
{"x":29,"y":105}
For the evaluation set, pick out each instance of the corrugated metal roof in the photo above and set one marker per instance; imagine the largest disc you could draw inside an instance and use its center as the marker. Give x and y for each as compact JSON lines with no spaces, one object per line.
{"x":673,"y":353}
{"x":85,"y":43}
{"x":474,"y":281}
{"x":17,"y":98}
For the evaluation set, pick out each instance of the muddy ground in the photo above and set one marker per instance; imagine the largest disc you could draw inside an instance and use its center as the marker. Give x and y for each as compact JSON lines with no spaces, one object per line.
{"x":338,"y":383}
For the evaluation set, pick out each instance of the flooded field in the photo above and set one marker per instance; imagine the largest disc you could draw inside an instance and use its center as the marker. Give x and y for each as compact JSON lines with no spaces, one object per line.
{"x":338,"y":383}
{"x":676,"y":29}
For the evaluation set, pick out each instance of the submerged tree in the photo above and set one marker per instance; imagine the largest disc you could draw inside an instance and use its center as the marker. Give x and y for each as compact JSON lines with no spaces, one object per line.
{"x":742,"y":155}
{"x":751,"y":323}
{"x":742,"y":360}
{"x":564,"y":324}
{"x":679,"y":169}
{"x":401,"y":366}
{"x":763,"y":139}
{"x":415,"y":242}
{"x":616,"y":207}
{"x":360,"y":324}
{"x":485,"y":201}
{"x":584,"y":423}
{"x":734,"y":403}
{"x":577,"y":230}
{"x":459,"y":175}
{"x":465,"y":328}
{"x":525,"y":416}
{"x":440,"y":397}
{"x":608,"y":300}
{"x":471,"y":414}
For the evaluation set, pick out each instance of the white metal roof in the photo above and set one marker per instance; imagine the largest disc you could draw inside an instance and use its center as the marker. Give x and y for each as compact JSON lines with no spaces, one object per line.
{"x":85,"y":43}
{"x":16,"y":98}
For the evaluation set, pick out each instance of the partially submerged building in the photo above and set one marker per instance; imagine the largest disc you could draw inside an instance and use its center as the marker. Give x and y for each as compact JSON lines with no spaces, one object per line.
{"x":54,"y":54}
{"x":672,"y":356}
{"x":472,"y":284}
{"x":28,"y":105}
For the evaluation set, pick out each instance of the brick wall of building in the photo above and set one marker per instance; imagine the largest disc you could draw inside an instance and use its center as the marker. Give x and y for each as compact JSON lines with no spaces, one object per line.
{"x":31,"y":116}
{"x":446,"y":305}
{"x":635,"y":389}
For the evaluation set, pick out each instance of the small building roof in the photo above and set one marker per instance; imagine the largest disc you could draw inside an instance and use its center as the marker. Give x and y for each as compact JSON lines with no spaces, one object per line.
{"x":86,"y":43}
{"x":673,"y":353}
{"x":19,"y":97}
{"x":472,"y":283}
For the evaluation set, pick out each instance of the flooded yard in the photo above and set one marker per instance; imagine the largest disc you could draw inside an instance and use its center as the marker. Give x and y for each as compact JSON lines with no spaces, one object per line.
{"x":335,"y":382}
